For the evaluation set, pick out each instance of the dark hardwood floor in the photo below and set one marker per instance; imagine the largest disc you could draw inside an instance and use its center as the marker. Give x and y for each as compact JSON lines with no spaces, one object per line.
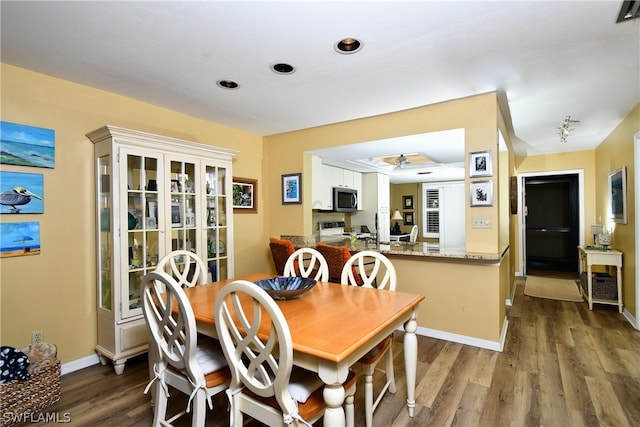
{"x":562,"y":365}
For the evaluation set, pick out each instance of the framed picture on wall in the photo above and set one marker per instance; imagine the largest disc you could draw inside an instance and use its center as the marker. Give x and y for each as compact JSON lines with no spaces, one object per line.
{"x":407,"y":218}
{"x":618,"y":193}
{"x":22,"y":193}
{"x":481,"y":193}
{"x":244,"y":195}
{"x":407,"y":202}
{"x":480,"y":164}
{"x":292,"y":189}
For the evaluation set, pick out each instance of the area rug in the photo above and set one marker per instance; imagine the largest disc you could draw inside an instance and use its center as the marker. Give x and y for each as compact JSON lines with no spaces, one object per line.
{"x":558,"y":289}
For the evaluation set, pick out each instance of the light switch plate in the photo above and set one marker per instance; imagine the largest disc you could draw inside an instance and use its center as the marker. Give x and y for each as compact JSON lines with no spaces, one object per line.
{"x":481,"y":222}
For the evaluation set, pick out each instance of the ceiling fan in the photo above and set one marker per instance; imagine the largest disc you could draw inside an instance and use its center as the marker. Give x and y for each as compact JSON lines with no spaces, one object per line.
{"x":410,"y":161}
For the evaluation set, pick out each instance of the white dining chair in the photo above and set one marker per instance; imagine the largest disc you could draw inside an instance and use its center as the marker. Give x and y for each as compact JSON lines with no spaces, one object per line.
{"x":413,"y":236}
{"x":305,"y":262}
{"x":182,"y":359}
{"x":184,"y":266}
{"x":371,"y":269}
{"x":256,"y":340}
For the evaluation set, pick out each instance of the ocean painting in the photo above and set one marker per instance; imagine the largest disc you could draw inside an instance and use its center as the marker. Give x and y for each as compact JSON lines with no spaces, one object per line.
{"x":21,"y":193}
{"x":24,"y":145}
{"x":19,"y":239}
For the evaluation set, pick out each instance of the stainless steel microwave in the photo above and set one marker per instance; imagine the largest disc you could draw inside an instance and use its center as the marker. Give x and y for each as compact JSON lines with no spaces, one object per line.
{"x":345,"y":199}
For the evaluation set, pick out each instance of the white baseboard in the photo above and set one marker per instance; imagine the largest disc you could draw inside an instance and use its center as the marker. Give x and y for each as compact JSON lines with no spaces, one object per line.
{"x":463,"y":339}
{"x":630,"y":318}
{"x":78,"y":364}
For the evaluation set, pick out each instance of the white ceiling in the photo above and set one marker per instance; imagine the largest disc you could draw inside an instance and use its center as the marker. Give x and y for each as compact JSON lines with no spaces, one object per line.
{"x":547,"y":60}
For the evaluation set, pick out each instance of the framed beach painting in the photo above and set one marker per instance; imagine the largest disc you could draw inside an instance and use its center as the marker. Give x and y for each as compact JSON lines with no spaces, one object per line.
{"x":292,"y":189}
{"x":19,"y":239}
{"x":21,"y":193}
{"x":24,"y":145}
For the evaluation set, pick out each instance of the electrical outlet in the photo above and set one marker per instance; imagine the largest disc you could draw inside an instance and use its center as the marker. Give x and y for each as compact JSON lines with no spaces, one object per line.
{"x":36,"y":337}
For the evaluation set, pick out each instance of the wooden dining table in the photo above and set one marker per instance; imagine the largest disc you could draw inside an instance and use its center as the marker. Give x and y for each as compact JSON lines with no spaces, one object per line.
{"x":332,"y":326}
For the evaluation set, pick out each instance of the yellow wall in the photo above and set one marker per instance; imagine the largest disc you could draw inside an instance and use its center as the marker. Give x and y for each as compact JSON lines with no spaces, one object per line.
{"x":55,"y":291}
{"x":284,"y":153}
{"x":461,"y":298}
{"x":615,"y":152}
{"x":453,"y":284}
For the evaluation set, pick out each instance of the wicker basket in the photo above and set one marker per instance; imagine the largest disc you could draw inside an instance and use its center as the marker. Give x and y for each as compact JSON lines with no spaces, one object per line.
{"x":18,"y":399}
{"x":603,"y":286}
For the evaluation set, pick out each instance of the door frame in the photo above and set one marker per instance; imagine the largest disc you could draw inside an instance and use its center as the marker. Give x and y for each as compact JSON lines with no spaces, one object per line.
{"x":636,"y":149}
{"x":522,"y":232}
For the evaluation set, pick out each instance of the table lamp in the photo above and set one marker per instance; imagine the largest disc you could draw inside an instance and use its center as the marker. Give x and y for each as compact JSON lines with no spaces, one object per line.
{"x":397,"y":216}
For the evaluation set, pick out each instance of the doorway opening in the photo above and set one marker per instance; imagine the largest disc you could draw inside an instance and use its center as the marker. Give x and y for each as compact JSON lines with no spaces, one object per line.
{"x":552,"y":226}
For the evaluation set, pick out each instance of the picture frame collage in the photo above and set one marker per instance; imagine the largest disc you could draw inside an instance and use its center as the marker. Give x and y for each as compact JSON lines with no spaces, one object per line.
{"x":481,"y":191}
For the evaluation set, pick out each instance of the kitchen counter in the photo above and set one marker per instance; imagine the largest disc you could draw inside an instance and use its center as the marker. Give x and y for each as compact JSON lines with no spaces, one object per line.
{"x":433,"y":251}
{"x":428,"y":251}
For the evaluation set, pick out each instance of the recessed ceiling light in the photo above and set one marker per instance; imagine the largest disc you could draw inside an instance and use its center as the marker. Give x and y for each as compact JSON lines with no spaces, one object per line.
{"x":282,"y":68}
{"x":348,"y":45}
{"x":227,"y":84}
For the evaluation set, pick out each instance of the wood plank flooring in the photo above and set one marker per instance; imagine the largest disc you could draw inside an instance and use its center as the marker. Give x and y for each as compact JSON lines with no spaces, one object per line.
{"x":562,"y":365}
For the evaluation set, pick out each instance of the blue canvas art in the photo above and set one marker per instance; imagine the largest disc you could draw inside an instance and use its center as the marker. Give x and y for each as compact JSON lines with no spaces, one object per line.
{"x":19,"y":239}
{"x":24,"y":145}
{"x":21,"y":193}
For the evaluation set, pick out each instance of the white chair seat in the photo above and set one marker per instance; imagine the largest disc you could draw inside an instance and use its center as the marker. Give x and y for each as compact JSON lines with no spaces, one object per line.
{"x":209,"y":355}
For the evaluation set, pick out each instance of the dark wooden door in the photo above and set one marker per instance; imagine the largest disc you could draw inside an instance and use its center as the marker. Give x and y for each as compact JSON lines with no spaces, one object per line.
{"x":552,"y":223}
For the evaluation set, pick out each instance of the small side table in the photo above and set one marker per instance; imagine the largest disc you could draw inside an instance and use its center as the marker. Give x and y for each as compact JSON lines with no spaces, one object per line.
{"x":595,"y":256}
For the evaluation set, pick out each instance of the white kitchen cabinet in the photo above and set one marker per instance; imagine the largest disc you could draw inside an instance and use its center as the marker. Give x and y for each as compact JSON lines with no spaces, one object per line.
{"x":154,"y":194}
{"x":444,"y":207}
{"x":375,"y":200}
{"x":325,"y":178}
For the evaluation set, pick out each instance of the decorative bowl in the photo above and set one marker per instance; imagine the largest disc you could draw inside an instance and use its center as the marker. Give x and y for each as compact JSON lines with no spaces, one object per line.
{"x":283,"y":288}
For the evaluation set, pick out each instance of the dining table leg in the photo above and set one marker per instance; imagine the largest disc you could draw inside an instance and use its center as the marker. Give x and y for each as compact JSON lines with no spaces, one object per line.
{"x":333,"y":377}
{"x":411,"y":359}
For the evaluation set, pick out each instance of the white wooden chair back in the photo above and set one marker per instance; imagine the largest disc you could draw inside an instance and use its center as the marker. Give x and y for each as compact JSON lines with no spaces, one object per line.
{"x":306,"y":261}
{"x":187,"y":268}
{"x":263,"y":363}
{"x":375,"y":271}
{"x":172,"y":325}
{"x":177,"y":360}
{"x":413,"y":237}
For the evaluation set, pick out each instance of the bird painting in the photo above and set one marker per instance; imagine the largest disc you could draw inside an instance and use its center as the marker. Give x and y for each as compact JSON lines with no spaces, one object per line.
{"x":18,"y":196}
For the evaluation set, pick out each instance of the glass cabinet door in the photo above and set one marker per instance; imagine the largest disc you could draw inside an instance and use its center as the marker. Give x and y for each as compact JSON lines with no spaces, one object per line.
{"x":184,"y":212}
{"x":217,"y":227}
{"x":105,"y":254}
{"x":141,"y":222}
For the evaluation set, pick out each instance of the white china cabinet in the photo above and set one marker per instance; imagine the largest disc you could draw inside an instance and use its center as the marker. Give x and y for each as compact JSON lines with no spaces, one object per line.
{"x":154,"y":194}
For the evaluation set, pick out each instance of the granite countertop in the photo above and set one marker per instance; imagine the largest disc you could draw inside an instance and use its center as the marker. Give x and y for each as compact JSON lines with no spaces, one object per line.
{"x":435,"y":250}
{"x":430,"y":251}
